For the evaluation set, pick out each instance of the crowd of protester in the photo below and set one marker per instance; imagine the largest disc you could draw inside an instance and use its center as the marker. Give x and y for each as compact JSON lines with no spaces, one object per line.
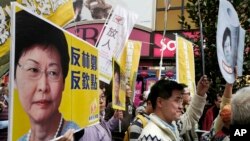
{"x":168,"y":112}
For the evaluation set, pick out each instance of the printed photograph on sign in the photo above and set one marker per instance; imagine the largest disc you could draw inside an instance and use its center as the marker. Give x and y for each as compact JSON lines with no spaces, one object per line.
{"x":54,"y":80}
{"x":228,"y":51}
{"x":117,"y":83}
{"x":119,"y":87}
{"x":97,"y":10}
{"x":91,"y":9}
{"x":40,"y":73}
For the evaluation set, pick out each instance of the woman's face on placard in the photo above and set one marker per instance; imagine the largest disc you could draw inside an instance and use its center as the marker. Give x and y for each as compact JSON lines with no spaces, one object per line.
{"x":228,"y":50}
{"x":39,"y":82}
{"x":117,"y":84}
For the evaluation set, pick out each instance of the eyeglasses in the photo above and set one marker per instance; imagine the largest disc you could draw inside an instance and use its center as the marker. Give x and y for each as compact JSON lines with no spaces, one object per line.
{"x":102,"y":97}
{"x":34,"y":72}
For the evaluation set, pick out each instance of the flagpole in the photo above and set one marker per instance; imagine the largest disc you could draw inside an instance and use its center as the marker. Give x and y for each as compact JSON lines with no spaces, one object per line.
{"x":201,"y":40}
{"x":163,"y":48}
{"x":159,"y":77}
{"x":167,"y":6}
{"x":104,"y":26}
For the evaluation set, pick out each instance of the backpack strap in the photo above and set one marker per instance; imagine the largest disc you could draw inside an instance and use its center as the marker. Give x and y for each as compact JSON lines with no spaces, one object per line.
{"x":143,"y":119}
{"x":144,"y":122}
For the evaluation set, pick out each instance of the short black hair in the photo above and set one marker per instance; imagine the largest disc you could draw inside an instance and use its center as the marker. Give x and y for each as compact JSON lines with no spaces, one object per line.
{"x":220,"y":94}
{"x":184,"y":85}
{"x":103,"y":85}
{"x":31,"y":30}
{"x":163,"y":88}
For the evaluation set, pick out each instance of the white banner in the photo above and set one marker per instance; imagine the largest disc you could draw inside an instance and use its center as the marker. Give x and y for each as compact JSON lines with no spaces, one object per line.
{"x":113,"y":40}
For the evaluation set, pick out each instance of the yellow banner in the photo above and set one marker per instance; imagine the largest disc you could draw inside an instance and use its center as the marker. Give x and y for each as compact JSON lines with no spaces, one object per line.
{"x":47,"y":84}
{"x":5,"y":48}
{"x":133,"y":58}
{"x":59,"y":12}
{"x":185,"y":63}
{"x":4,"y":27}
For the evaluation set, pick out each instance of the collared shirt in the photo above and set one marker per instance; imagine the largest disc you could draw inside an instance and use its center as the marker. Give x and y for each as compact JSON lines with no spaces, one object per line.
{"x":171,"y":126}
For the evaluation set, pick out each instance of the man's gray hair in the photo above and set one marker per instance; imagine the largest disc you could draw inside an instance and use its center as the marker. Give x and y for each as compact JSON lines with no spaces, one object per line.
{"x":241,"y":107}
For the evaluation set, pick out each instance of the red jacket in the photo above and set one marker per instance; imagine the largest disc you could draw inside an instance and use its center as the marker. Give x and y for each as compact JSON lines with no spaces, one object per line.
{"x":209,"y":118}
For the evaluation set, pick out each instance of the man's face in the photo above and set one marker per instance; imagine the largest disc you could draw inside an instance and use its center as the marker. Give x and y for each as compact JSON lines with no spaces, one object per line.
{"x":171,"y":108}
{"x":218,"y":101}
{"x":102,"y":100}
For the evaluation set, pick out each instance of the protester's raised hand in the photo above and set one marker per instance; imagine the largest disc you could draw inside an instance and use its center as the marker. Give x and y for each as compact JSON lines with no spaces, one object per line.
{"x":228,"y":91}
{"x":118,"y":114}
{"x":203,"y":85}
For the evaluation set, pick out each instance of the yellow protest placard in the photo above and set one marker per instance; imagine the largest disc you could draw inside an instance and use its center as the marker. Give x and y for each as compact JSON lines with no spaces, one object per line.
{"x":54,"y":79}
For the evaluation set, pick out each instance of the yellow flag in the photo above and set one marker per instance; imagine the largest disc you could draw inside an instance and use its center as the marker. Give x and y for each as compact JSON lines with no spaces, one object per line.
{"x":133,"y":58}
{"x":59,"y":12}
{"x":185,"y":63}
